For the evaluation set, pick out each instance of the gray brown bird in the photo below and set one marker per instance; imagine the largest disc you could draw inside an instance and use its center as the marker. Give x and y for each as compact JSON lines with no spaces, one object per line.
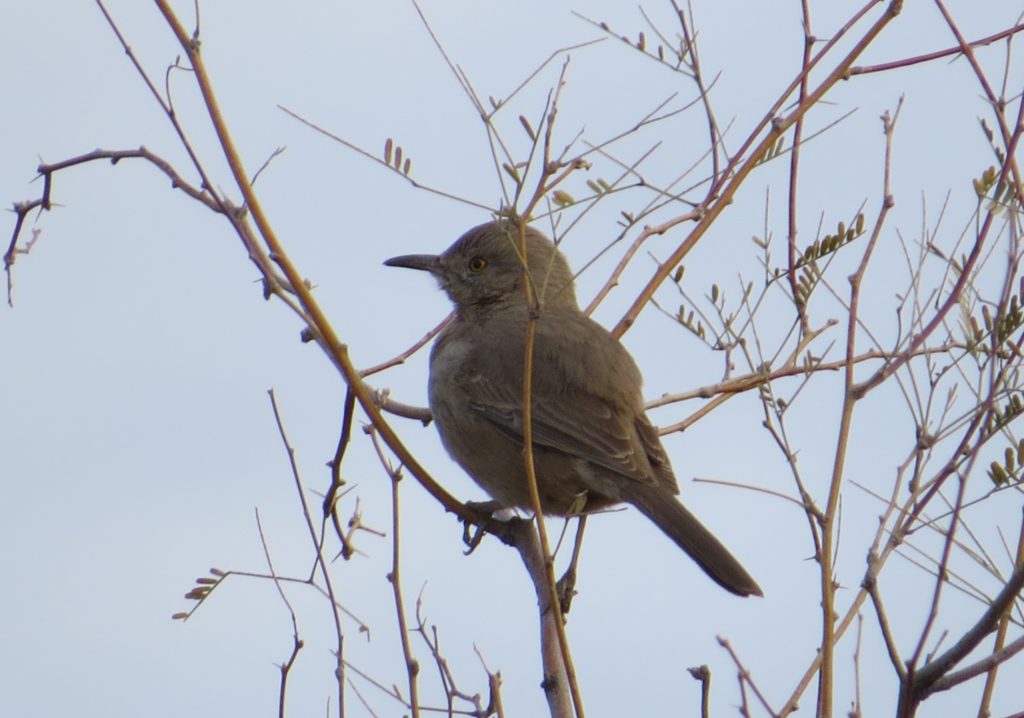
{"x":592,"y":442}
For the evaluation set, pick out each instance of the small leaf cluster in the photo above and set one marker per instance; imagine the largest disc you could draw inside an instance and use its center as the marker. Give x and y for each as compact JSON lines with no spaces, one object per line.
{"x":204,"y":586}
{"x":691,"y":322}
{"x":395,"y":157}
{"x":677,"y":58}
{"x":1001,"y":194}
{"x":1001,"y":328}
{"x":1006,"y":324}
{"x":831,"y":243}
{"x":1000,"y":416}
{"x":689,"y":319}
{"x":807,"y":262}
{"x":1009,"y":470}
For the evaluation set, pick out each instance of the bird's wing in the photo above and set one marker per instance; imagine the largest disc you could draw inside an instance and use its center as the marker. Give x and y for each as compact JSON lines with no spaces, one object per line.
{"x":579,"y":425}
{"x":572,"y":409}
{"x":656,"y":454}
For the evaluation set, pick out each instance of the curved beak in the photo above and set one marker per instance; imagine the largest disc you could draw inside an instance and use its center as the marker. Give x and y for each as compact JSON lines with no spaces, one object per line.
{"x":426,"y":262}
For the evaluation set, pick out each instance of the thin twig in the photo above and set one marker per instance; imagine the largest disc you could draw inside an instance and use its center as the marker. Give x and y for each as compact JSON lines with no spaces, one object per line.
{"x":828,"y":521}
{"x":320,"y":561}
{"x":412,"y":666}
{"x":297,"y":642}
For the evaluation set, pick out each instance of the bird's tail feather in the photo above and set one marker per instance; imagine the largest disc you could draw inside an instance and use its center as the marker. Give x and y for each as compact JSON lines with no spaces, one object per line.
{"x":698,"y":542}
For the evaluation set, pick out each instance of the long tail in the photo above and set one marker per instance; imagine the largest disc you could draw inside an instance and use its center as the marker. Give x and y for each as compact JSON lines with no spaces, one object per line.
{"x":700,"y":544}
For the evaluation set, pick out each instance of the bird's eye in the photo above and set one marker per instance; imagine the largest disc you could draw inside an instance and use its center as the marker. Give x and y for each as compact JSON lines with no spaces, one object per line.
{"x":477,"y":264}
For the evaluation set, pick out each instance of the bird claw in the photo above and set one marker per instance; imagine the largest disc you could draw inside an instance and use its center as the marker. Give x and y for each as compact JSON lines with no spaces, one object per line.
{"x":473,"y":533}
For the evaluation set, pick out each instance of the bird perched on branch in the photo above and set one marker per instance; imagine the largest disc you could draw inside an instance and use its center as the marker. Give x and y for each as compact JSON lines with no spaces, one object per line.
{"x":593,"y":445}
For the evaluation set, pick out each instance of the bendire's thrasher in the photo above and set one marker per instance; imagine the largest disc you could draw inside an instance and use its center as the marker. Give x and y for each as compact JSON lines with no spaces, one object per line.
{"x":593,"y":445}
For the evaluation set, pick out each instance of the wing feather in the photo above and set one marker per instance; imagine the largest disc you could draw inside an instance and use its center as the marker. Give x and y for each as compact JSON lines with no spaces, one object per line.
{"x":600,"y":422}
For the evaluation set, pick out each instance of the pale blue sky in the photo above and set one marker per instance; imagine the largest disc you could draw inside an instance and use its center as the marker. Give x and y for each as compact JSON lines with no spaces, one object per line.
{"x":137,"y":437}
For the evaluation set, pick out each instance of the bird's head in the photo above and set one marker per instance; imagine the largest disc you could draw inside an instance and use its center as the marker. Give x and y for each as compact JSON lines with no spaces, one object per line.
{"x":484,"y":268}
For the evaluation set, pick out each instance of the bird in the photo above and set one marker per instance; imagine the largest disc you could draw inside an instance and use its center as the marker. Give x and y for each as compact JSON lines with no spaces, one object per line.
{"x":593,"y":445}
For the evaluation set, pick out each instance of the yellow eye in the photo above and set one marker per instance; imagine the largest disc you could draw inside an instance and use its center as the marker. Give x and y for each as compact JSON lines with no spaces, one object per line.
{"x":477,"y":264}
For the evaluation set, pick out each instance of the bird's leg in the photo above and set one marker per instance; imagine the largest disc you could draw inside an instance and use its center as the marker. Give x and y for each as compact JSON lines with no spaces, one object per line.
{"x":567,"y":583}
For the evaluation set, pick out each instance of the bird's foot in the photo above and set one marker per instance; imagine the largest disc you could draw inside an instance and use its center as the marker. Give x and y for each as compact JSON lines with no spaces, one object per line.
{"x":497,"y":519}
